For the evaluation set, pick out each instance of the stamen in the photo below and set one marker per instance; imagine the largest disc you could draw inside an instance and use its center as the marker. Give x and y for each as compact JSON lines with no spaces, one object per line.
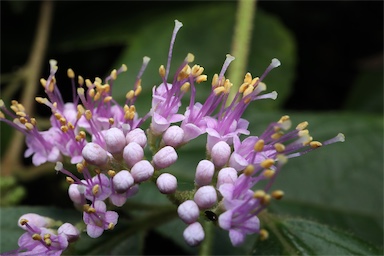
{"x":95,"y":189}
{"x":302,"y":126}
{"x":267,"y":163}
{"x":111,"y":173}
{"x":315,"y":144}
{"x":70,"y":73}
{"x":36,"y":237}
{"x":268,"y":173}
{"x":339,"y":138}
{"x":263,"y":234}
{"x":248,"y":171}
{"x":259,"y":194}
{"x":279,"y":147}
{"x":259,"y":145}
{"x":277,"y":194}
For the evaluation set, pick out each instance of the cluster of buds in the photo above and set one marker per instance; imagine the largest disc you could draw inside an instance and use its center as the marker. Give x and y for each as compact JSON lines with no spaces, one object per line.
{"x":107,"y":142}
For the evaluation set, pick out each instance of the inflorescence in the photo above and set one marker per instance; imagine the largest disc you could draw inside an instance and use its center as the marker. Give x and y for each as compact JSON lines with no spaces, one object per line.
{"x":106,"y":142}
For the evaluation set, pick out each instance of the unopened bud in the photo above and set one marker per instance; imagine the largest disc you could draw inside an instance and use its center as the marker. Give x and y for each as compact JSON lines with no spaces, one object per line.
{"x":226,"y":175}
{"x":133,"y":153}
{"x":173,"y":136}
{"x":137,"y":135}
{"x":142,"y":171}
{"x":164,"y":157}
{"x":188,"y":211}
{"x":204,"y":173}
{"x":166,"y":183}
{"x":69,"y":231}
{"x":205,"y":197}
{"x":122,"y":181}
{"x":115,"y":140}
{"x":220,"y":153}
{"x":94,"y":154}
{"x":194,"y":234}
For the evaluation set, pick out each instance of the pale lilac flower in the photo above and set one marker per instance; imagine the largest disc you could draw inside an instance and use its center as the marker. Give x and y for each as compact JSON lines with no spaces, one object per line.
{"x":98,"y":219}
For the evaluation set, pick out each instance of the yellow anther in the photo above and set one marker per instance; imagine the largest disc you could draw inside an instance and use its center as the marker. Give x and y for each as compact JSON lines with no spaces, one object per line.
{"x":21,"y":107}
{"x":97,"y":170}
{"x":70,"y":73}
{"x":48,"y":242}
{"x":107,"y":99}
{"x":2,"y":115}
{"x":263,"y":234}
{"x":219,"y":90}
{"x":277,"y":194}
{"x":80,"y":80}
{"x":268,"y":173}
{"x":43,"y":82}
{"x":97,"y":96}
{"x":201,"y":78}
{"x":57,"y":116}
{"x":23,"y":222}
{"x":88,"y":114}
{"x":70,"y":126}
{"x":197,"y":70}
{"x":185,"y":87}
{"x":91,"y":210}
{"x":215,"y":79}
{"x":243,"y":87}
{"x":138,"y":90}
{"x":14,"y":108}
{"x":69,"y":180}
{"x":95,"y":189}
{"x":80,"y":167}
{"x":33,"y":121}
{"x":106,"y":88}
{"x":303,"y":133}
{"x":88,"y":83}
{"x":267,"y":163}
{"x":126,"y":108}
{"x":259,"y":194}
{"x":266,"y":199}
{"x":63,"y":121}
{"x":248,"y":171}
{"x":29,"y":126}
{"x":248,"y":91}
{"x":248,"y":78}
{"x":64,"y":128}
{"x":41,"y":100}
{"x":47,"y":236}
{"x":23,"y":120}
{"x":259,"y":146}
{"x":277,"y":135}
{"x":254,"y":82}
{"x":279,"y":147}
{"x":282,"y":159}
{"x":36,"y":237}
{"x":130,"y":95}
{"x":111,"y":226}
{"x":98,"y":80}
{"x":227,"y":85}
{"x":190,"y":58}
{"x":91,"y":93}
{"x":302,"y":126}
{"x":162,"y":71}
{"x":1,"y":103}
{"x":111,"y":121}
{"x":284,"y":119}
{"x":51,"y":86}
{"x":97,"y":85}
{"x":111,"y":173}
{"x":22,"y":114}
{"x":123,"y":68}
{"x":114,"y":74}
{"x":315,"y":144}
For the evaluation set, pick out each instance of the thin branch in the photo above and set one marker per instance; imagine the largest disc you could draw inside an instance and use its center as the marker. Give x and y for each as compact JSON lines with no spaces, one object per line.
{"x":31,"y":72}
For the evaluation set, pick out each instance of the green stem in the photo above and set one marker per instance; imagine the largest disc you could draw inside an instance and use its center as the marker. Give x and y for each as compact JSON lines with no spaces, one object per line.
{"x":206,"y":246}
{"x":240,"y":44}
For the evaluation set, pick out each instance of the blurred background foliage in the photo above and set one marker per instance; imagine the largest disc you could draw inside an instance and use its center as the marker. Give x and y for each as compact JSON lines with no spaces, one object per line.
{"x":331,"y":75}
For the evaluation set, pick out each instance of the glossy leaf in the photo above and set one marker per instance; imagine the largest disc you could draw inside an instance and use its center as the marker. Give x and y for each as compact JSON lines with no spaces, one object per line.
{"x":302,"y":237}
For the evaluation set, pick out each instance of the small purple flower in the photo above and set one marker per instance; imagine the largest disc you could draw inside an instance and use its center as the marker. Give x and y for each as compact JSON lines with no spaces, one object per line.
{"x":98,"y":219}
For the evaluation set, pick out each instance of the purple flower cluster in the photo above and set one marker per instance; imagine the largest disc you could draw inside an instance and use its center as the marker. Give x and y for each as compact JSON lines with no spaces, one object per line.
{"x":106,"y":141}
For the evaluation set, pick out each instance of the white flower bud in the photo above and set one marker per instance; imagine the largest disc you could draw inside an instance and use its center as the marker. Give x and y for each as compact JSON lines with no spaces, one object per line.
{"x":122,"y":181}
{"x":133,"y":153}
{"x":226,"y":175}
{"x":115,"y":140}
{"x":204,"y":173}
{"x":205,"y":197}
{"x":164,"y":157}
{"x":76,"y":193}
{"x":166,"y":183}
{"x":70,"y":231}
{"x":173,"y":136}
{"x":142,"y":171}
{"x":220,"y":153}
{"x":94,"y":154}
{"x":188,"y":211}
{"x":137,"y":135}
{"x":194,"y":234}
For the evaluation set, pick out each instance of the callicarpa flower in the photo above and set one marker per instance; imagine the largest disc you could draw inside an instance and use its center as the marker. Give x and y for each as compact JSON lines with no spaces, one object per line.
{"x":108,"y":142}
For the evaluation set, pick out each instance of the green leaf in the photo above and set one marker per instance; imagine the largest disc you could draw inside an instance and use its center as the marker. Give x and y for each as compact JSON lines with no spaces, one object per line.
{"x":302,"y":237}
{"x":209,"y":40}
{"x":367,"y":92}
